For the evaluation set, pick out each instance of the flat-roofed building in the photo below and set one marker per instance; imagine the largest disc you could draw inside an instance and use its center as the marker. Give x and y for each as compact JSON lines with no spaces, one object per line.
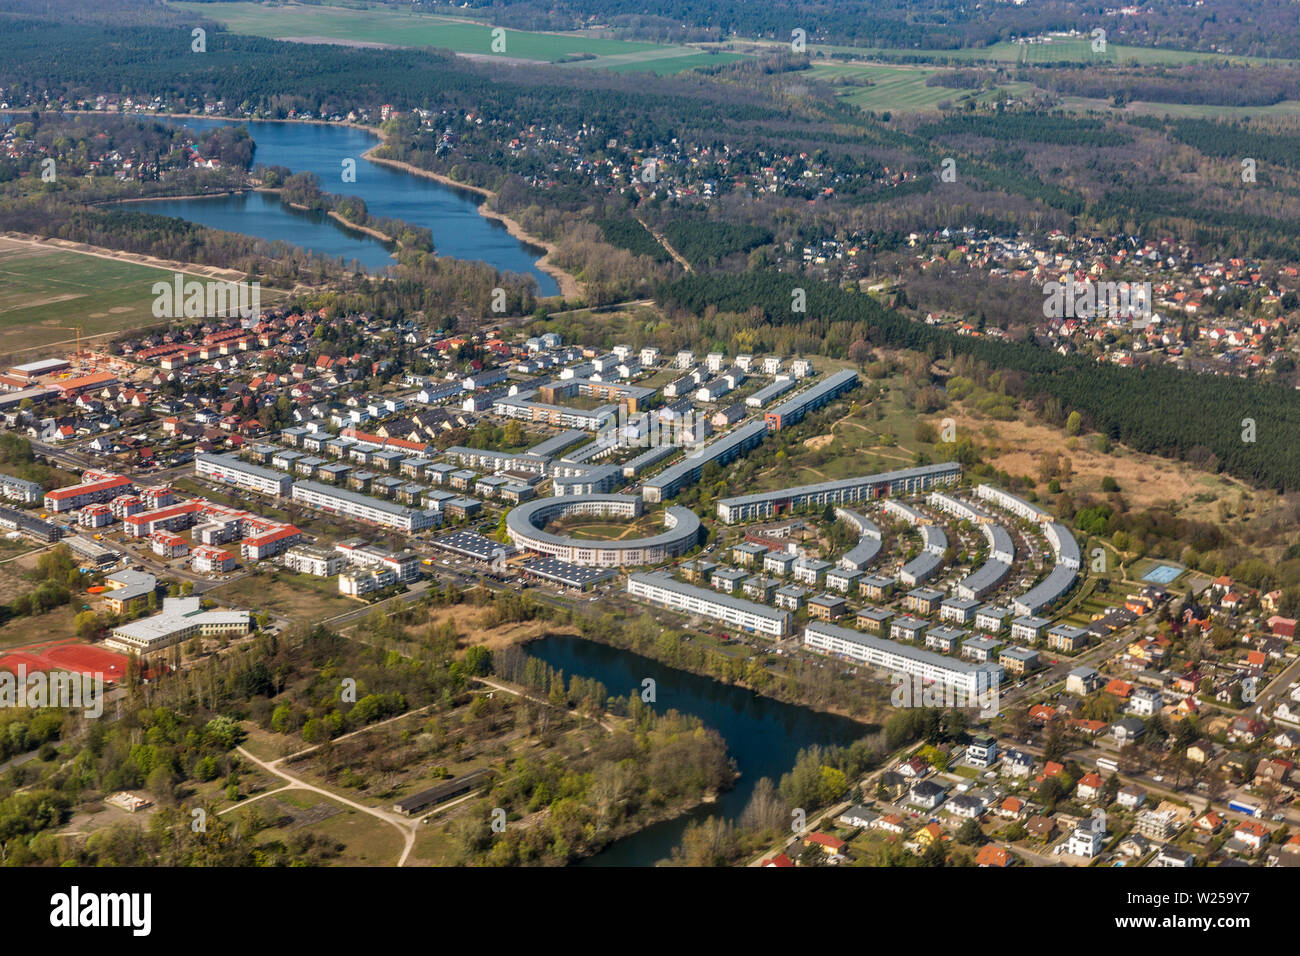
{"x":1028,"y":628}
{"x":874,"y":619}
{"x":318,"y":562}
{"x":179,"y":620}
{"x":970,"y":679}
{"x":660,"y":588}
{"x":958,"y":610}
{"x":991,"y":619}
{"x":242,"y":474}
{"x":827,"y":607}
{"x":1064,"y":637}
{"x":793,"y":410}
{"x":769,"y":504}
{"x":720,"y":451}
{"x":360,"y":507}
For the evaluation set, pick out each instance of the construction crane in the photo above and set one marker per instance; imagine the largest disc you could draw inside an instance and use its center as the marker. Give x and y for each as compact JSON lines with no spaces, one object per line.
{"x":73,"y":328}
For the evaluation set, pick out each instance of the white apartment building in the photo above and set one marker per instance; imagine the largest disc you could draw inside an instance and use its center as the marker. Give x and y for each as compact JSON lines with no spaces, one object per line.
{"x":660,"y":588}
{"x":350,"y":504}
{"x":233,"y":471}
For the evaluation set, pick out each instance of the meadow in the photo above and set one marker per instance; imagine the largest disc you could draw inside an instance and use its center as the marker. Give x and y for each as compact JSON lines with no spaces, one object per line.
{"x":46,"y":293}
{"x":387,"y":26}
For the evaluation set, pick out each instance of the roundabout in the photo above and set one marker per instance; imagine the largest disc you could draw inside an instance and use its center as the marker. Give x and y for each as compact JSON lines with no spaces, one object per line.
{"x":526,"y":527}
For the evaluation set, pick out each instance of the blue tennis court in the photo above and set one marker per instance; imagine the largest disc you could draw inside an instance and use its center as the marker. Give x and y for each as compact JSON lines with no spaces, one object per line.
{"x":1162,"y":574}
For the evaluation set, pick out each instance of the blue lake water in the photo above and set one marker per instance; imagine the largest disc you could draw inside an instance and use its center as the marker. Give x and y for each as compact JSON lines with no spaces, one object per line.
{"x":763,"y":736}
{"x":459,"y":231}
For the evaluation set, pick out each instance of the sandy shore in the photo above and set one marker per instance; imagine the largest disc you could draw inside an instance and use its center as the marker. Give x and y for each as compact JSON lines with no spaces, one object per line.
{"x":569,"y":286}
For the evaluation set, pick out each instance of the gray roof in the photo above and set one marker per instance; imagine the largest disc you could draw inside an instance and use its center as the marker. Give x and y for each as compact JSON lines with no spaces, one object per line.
{"x":665,"y":580}
{"x":903,"y":650}
{"x":1050,"y":589}
{"x":886,"y":477}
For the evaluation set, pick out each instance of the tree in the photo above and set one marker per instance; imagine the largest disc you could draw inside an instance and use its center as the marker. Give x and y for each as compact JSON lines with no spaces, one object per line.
{"x":1073,"y":423}
{"x":88,"y":625}
{"x":478,"y":660}
{"x":970,"y":833}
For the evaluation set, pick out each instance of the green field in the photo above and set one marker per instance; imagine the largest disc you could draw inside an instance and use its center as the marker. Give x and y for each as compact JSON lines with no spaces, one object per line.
{"x":676,"y":63}
{"x":1079,"y":104}
{"x":892,"y":87}
{"x":45,"y":292}
{"x":391,"y":27}
{"x":1077,"y":50}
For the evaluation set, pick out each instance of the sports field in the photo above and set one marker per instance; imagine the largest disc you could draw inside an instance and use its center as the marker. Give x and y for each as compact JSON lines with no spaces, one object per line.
{"x":45,"y":292}
{"x":391,"y":27}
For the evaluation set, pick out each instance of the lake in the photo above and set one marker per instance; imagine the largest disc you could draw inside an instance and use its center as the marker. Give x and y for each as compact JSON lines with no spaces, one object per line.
{"x":763,"y":736}
{"x":459,"y":231}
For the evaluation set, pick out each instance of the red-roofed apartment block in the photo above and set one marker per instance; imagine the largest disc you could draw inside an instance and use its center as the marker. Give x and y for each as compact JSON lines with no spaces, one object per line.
{"x":96,"y":487}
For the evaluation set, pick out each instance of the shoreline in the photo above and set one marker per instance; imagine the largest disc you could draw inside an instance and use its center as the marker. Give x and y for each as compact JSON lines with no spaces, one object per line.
{"x":866,"y":722}
{"x":337,"y":217}
{"x":570,"y":288}
{"x":569,"y":285}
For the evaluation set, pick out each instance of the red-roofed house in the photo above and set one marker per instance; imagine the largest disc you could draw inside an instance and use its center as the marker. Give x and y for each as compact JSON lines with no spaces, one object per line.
{"x":990,"y":855}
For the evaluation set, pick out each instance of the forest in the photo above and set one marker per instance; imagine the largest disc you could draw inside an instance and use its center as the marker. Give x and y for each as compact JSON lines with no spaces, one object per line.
{"x":1156,"y":410}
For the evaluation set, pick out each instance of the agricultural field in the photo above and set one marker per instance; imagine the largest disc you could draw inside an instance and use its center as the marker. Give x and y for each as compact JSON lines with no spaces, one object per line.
{"x":678,"y":62}
{"x":1063,"y":50}
{"x":389,"y":27}
{"x":1080,"y":104}
{"x":901,"y":88}
{"x":45,"y":292}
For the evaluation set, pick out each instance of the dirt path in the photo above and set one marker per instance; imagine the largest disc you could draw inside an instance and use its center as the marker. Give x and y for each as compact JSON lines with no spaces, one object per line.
{"x":405,"y":827}
{"x":663,"y":241}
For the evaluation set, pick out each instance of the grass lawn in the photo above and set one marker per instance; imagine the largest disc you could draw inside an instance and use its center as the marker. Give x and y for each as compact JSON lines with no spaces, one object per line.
{"x":367,"y":840}
{"x":388,"y":26}
{"x":900,"y":88}
{"x":598,"y":530}
{"x":298,"y":597}
{"x":44,"y":293}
